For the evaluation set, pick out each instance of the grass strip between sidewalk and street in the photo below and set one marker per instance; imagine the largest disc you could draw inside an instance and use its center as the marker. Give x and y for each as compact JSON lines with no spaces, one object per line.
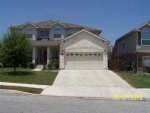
{"x":24,"y":89}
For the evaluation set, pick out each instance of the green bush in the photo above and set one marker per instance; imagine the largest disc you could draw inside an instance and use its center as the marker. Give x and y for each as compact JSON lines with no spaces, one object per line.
{"x":31,"y":65}
{"x":53,"y":64}
{"x":50,"y":65}
{"x":25,"y":65}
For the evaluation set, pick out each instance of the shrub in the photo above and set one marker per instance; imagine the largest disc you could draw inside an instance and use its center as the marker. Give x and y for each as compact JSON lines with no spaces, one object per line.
{"x":25,"y":65}
{"x":31,"y":65}
{"x":49,"y":65}
{"x":53,"y":64}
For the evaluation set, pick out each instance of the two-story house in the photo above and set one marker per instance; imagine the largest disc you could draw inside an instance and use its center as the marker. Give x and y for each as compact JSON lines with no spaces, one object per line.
{"x":76,"y":46}
{"x":133,"y":48}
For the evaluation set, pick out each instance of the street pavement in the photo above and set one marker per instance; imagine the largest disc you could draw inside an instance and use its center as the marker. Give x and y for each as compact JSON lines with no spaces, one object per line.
{"x":12,"y":103}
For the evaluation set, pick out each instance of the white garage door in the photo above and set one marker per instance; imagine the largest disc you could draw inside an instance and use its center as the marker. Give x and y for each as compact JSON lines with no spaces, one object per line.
{"x":83,"y":61}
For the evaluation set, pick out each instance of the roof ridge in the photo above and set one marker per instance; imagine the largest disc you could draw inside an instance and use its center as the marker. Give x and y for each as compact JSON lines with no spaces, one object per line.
{"x":84,"y":26}
{"x":44,"y":21}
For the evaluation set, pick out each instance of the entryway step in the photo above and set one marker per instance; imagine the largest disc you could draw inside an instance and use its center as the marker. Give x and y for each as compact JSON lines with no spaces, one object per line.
{"x":38,"y":68}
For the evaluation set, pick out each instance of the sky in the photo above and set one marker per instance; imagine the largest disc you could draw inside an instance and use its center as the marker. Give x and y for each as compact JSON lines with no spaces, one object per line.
{"x":113,"y":17}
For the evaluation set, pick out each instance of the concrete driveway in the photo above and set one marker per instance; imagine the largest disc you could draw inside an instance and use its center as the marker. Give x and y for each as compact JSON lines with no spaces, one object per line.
{"x":86,"y":78}
{"x":90,"y":83}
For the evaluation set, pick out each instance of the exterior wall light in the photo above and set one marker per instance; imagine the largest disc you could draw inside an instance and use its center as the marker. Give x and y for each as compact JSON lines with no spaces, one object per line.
{"x":62,"y":52}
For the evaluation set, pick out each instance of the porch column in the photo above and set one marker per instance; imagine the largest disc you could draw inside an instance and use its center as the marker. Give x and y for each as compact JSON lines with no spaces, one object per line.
{"x":33,"y":55}
{"x":48,"y":54}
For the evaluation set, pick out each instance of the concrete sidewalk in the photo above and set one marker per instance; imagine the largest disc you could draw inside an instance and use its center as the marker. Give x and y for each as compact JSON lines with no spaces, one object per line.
{"x":98,"y":92}
{"x":24,"y":85}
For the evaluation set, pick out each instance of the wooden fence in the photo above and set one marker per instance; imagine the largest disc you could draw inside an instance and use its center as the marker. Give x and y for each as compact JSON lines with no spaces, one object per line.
{"x":113,"y":65}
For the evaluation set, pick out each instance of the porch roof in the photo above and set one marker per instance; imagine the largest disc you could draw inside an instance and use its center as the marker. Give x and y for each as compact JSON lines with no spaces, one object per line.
{"x":45,"y":42}
{"x":143,"y":49}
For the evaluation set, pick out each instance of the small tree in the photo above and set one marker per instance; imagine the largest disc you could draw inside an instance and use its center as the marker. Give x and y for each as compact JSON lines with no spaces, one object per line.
{"x":15,"y":48}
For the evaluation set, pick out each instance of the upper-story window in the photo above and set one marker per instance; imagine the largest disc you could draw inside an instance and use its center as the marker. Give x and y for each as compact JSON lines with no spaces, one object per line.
{"x":18,"y":31}
{"x":29,"y":33}
{"x":44,"y":34}
{"x":123,"y":44}
{"x":69,"y":32}
{"x":145,"y":36}
{"x":57,"y":33}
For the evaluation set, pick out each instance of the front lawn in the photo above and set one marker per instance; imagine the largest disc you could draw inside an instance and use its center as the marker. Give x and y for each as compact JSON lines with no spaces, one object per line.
{"x":136,"y":80}
{"x":27,"y":76}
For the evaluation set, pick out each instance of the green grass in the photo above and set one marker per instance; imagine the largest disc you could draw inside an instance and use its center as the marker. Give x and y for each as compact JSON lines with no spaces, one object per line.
{"x":24,"y":89}
{"x":136,"y":80}
{"x":27,"y":76}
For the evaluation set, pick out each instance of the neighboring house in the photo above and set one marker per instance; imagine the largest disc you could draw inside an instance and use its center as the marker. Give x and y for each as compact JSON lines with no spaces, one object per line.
{"x":133,"y":48}
{"x":76,"y":47}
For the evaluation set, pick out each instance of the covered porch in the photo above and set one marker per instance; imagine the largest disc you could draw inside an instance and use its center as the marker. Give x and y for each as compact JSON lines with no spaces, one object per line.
{"x":43,"y":54}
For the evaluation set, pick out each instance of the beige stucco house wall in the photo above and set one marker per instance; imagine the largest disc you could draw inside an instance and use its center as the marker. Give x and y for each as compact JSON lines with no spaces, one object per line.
{"x":84,"y":42}
{"x":28,"y":26}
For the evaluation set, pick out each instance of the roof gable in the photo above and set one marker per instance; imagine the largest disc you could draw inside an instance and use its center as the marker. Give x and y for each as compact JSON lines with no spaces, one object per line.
{"x":84,"y":42}
{"x":87,"y":33}
{"x":134,"y":30}
{"x":84,"y":46}
{"x":28,"y":23}
{"x":145,"y":24}
{"x":59,"y":24}
{"x":50,"y":23}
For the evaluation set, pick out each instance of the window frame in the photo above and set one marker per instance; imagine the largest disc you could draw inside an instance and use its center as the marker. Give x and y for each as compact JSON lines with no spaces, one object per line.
{"x":68,"y":34}
{"x":29,"y":33}
{"x":44,"y":34}
{"x":57,"y":35}
{"x":145,"y":30}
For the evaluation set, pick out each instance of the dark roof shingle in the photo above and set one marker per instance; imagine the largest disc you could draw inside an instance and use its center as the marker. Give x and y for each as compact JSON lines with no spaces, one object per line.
{"x":45,"y":24}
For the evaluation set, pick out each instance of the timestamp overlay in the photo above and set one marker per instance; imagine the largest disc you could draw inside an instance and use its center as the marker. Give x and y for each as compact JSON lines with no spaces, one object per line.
{"x":127,"y":97}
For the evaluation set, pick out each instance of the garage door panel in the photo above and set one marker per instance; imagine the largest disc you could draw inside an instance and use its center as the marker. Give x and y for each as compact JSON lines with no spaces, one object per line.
{"x":82,"y":62}
{"x":68,"y":67}
{"x":87,"y":63}
{"x":87,"y":68}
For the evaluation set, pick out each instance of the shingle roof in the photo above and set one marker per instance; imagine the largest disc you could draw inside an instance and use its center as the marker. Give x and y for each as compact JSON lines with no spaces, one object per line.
{"x":148,"y":22}
{"x":45,"y":24}
{"x":44,"y":42}
{"x":80,"y":26}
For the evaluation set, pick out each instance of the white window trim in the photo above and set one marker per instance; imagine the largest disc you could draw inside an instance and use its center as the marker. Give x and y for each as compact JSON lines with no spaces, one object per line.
{"x":30,"y":32}
{"x":60,"y":34}
{"x":147,"y":28}
{"x":142,"y":43}
{"x":71,"y":30}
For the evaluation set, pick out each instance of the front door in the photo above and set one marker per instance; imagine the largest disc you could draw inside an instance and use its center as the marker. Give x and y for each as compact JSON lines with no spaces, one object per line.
{"x":45,"y":57}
